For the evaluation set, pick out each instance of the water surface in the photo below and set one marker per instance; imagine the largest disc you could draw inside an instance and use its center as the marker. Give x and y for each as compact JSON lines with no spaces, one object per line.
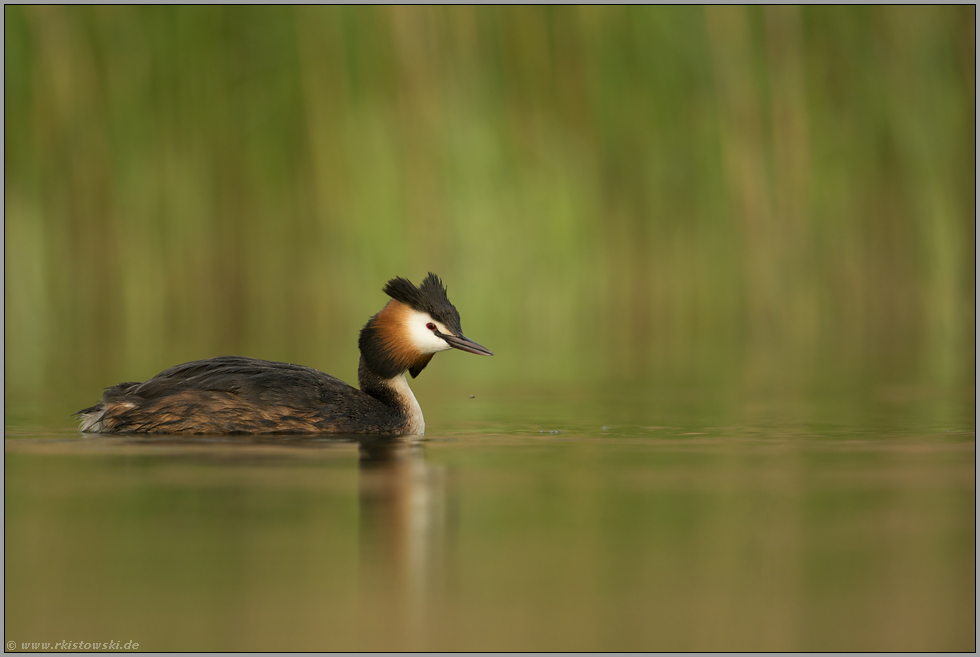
{"x":807,"y":525}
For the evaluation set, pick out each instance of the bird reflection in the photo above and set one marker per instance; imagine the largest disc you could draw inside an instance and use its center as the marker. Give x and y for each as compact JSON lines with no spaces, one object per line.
{"x":402,"y":532}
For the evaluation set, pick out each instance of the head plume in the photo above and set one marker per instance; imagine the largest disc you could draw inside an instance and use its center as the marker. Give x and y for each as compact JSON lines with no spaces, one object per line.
{"x":429,"y":297}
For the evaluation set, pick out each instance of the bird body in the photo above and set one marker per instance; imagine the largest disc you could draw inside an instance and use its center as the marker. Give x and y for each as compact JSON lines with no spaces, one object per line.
{"x":234,"y":394}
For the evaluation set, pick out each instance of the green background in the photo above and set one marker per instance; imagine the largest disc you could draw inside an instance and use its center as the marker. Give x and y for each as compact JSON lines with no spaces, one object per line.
{"x":771,"y":198}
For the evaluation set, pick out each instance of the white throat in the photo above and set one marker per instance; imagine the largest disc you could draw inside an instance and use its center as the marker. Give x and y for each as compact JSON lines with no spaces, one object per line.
{"x":410,"y":405}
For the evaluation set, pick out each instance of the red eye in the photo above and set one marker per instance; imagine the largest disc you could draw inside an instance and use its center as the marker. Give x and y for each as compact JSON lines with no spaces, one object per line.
{"x":430,"y":326}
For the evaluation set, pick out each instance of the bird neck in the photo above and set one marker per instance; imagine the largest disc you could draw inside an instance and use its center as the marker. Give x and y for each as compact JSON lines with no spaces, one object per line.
{"x":394,"y":392}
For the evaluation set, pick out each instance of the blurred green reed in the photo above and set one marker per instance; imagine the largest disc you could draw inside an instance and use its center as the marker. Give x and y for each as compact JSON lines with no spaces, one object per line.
{"x":776,"y":196}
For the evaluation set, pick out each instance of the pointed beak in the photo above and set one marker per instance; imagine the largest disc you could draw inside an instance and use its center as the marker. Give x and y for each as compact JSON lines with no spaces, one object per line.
{"x":463,"y":343}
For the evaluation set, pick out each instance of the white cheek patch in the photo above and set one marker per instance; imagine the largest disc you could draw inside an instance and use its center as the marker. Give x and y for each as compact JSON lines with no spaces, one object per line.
{"x":423,"y":338}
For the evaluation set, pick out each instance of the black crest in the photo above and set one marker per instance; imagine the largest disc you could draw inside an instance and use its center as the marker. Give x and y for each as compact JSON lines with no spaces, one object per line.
{"x":429,"y":297}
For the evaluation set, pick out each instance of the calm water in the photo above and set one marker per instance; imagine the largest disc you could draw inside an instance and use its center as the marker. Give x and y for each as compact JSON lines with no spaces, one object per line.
{"x":647,"y":523}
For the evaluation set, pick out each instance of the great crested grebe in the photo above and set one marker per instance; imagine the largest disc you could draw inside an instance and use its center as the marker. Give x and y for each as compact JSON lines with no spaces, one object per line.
{"x":233,"y":394}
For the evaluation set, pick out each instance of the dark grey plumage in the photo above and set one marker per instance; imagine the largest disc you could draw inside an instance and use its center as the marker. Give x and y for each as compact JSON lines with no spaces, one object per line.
{"x":234,"y":394}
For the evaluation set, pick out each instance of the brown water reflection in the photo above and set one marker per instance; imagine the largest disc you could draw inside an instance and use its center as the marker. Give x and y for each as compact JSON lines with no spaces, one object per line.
{"x":402,"y":536}
{"x":680,"y":540}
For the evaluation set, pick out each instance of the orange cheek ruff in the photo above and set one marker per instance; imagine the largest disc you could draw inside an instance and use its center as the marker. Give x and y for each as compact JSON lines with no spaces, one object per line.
{"x":391,"y":323}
